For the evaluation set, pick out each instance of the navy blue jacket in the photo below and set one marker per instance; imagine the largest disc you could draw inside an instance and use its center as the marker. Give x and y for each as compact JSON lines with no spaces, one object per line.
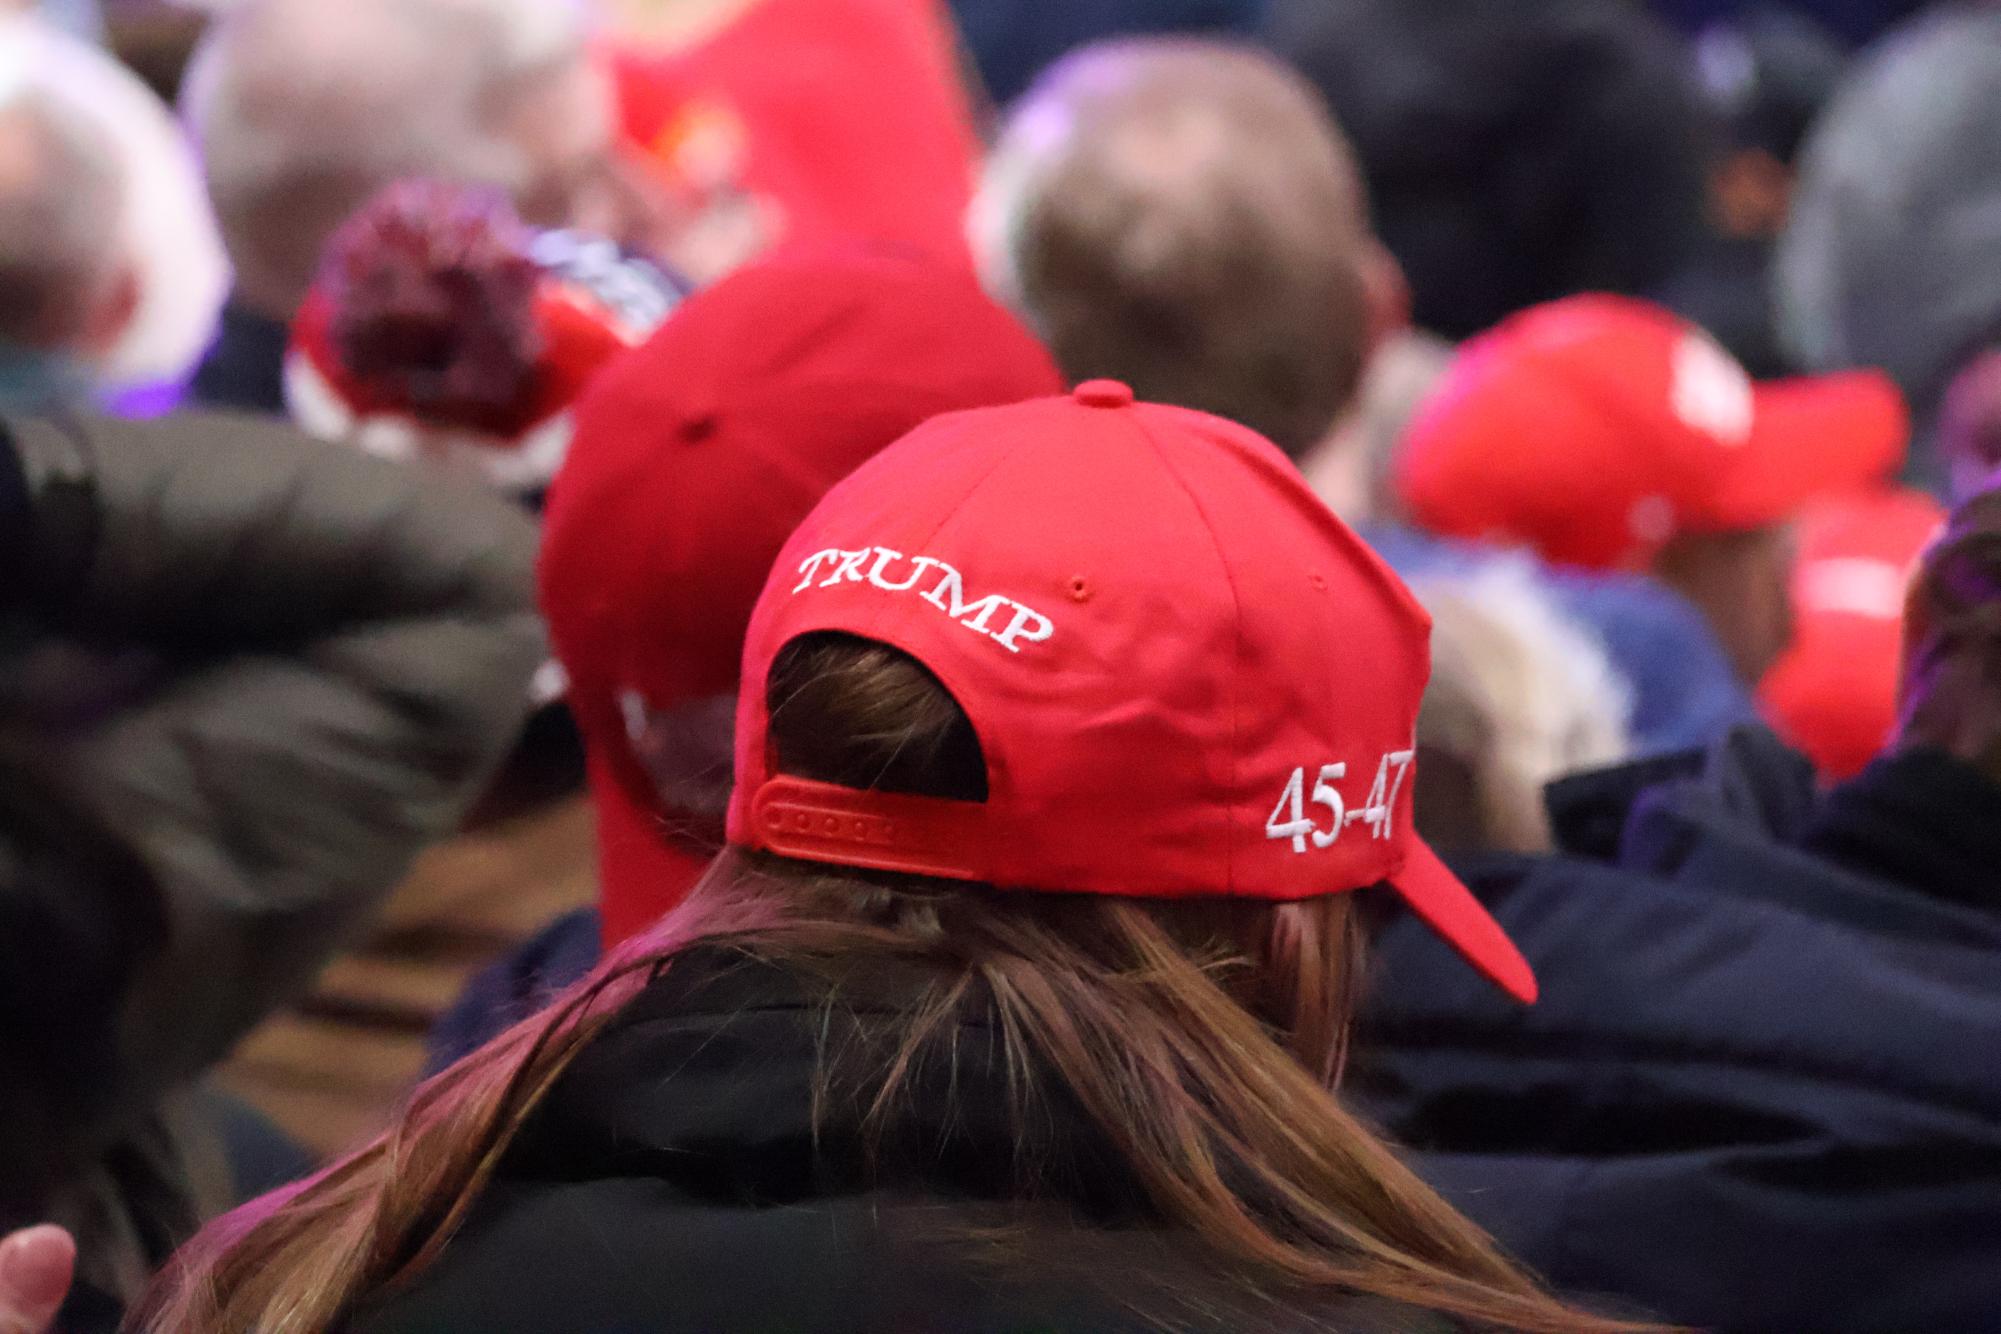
{"x":1762,"y":1090}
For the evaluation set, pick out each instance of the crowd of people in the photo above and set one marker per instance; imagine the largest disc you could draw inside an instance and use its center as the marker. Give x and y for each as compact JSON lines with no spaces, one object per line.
{"x":1242,"y":664}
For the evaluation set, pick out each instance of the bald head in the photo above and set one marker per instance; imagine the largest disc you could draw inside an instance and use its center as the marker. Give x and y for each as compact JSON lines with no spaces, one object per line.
{"x":1185,"y":216}
{"x":59,"y":209}
{"x":305,"y":109}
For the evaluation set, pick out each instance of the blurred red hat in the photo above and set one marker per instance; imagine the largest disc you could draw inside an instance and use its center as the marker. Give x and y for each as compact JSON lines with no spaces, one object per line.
{"x":1596,"y":428}
{"x":443,"y":329}
{"x":1834,"y":693}
{"x":833,"y":121}
{"x":694,"y":459}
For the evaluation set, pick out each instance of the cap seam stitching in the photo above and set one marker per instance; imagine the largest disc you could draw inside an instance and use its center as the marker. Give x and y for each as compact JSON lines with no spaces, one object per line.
{"x":1237,"y":618}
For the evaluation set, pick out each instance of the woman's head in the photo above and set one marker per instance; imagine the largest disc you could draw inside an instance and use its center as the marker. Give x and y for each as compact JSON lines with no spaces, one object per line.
{"x":1187,"y":680}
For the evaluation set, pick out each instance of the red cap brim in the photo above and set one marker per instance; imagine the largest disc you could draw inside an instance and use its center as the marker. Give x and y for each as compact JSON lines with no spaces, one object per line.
{"x":1442,"y":901}
{"x":1810,"y":437}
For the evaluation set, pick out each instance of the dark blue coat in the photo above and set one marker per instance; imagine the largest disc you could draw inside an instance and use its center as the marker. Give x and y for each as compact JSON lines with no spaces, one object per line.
{"x":1762,"y":1090}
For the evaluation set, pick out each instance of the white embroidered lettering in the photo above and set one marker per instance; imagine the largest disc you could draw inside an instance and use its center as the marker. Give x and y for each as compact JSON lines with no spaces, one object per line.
{"x":810,"y":567}
{"x":1325,"y":793}
{"x":986,"y":607}
{"x":1289,"y":819}
{"x":850,"y":568}
{"x":952,"y":581}
{"x":884,"y":557}
{"x":874,"y":565}
{"x":1378,"y":810}
{"x":1028,"y":625}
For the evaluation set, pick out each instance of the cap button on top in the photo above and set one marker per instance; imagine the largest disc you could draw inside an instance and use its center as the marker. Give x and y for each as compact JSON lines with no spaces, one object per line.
{"x":1104,"y":394}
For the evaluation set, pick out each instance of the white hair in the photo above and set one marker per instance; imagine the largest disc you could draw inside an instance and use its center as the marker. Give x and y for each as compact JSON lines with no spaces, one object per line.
{"x":154,"y":227}
{"x":304,"y":109}
{"x":59,"y":204}
{"x":1520,"y":694}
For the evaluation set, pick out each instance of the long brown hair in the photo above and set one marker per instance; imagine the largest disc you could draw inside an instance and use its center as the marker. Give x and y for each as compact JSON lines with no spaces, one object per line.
{"x":1200,"y":1040}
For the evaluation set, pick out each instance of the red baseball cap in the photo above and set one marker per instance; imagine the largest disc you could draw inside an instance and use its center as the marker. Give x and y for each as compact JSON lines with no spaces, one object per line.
{"x":1834,"y":693}
{"x":442,"y":329}
{"x":1188,"y":678}
{"x":1596,"y":428}
{"x":845,"y":120}
{"x":696,"y":455}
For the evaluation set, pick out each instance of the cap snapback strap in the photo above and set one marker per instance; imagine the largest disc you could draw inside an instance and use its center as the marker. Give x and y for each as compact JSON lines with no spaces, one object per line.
{"x":881,"y":831}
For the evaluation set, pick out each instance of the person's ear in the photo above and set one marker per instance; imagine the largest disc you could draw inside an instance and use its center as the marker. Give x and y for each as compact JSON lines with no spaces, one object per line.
{"x":109,"y":319}
{"x":1385,"y":295}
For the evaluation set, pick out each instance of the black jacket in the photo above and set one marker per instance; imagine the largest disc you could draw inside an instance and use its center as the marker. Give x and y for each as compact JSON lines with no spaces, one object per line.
{"x":244,"y":679}
{"x":1762,"y":1090}
{"x":673,"y":1182}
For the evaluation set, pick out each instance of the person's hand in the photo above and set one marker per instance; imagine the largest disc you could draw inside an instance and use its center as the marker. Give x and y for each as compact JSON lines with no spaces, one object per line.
{"x":36,"y":1266}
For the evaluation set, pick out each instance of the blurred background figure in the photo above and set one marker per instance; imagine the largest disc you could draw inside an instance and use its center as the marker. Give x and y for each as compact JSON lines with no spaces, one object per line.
{"x":1013,"y":41}
{"x":797,"y":122}
{"x":304,"y":111}
{"x":1893,"y":254}
{"x":444,"y":330}
{"x":244,"y":680}
{"x":1852,"y":21}
{"x":1604,"y":433}
{"x":79,"y":18}
{"x":111,"y":270}
{"x":1833,"y":694}
{"x":1520,"y":696}
{"x":1968,"y":435}
{"x":1767,"y":72}
{"x":1513,"y":154}
{"x":1150,"y":236}
{"x":65,"y":295}
{"x":1185,"y":216}
{"x":695,"y":458}
{"x":1756,"y":1093}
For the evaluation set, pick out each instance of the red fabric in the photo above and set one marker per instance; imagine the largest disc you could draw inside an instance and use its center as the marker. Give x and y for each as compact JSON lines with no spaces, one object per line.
{"x":1166,"y":645}
{"x":696,"y":456}
{"x":582,"y":303}
{"x":634,"y":849}
{"x":577,"y":338}
{"x":1834,"y":693}
{"x":848,"y":116}
{"x":1595,"y":428}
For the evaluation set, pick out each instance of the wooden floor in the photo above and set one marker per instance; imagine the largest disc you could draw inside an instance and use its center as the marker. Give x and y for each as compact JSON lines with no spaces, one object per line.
{"x":331,"y":1070}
